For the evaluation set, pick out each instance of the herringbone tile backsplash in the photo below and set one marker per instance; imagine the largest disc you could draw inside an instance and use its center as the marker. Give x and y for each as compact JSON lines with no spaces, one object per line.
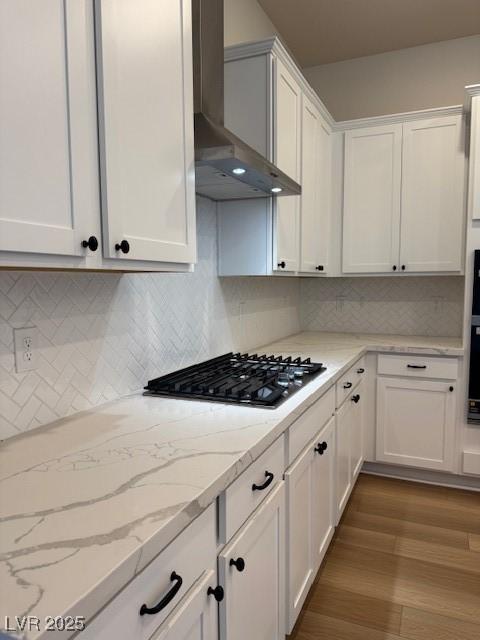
{"x":102,"y":336}
{"x":424,"y":306}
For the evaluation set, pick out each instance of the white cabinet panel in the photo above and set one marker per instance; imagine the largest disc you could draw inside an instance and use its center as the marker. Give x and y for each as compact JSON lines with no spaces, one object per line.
{"x":146,"y":129}
{"x":433,"y":199}
{"x":287,"y":139}
{"x":357,"y":429}
{"x":47,"y":127}
{"x":343,"y":455}
{"x":372,"y":199}
{"x":416,"y":422}
{"x":310,"y":516}
{"x":254,"y":604}
{"x":316,"y":187}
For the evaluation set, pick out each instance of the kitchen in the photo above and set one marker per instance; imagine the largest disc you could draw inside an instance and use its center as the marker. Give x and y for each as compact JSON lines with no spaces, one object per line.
{"x":225,"y":413}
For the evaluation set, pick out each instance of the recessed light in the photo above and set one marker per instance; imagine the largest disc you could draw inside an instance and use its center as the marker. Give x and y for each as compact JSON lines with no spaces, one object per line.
{"x":238,"y":171}
{"x":276,"y":189}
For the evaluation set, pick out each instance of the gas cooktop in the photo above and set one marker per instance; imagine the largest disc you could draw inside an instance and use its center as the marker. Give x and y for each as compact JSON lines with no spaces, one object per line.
{"x":260,"y":381}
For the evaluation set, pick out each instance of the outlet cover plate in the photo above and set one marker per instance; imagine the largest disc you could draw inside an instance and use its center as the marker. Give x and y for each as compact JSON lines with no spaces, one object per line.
{"x":25,"y":342}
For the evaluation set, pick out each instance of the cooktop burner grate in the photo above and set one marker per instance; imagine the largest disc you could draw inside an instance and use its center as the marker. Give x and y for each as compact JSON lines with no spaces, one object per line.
{"x":263,"y":380}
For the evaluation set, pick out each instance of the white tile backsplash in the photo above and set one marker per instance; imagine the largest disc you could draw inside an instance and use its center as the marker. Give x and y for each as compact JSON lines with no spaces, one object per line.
{"x":430,"y":306}
{"x":102,"y":336}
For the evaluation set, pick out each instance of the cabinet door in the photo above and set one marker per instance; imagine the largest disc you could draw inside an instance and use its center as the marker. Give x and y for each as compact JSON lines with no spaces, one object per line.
{"x":416,"y":422}
{"x":146,"y":129}
{"x":371,"y":216}
{"x":344,"y":428}
{"x":287,"y":122}
{"x":357,"y":429}
{"x":310,"y":517}
{"x":254,"y":604}
{"x":48,"y":180}
{"x":433,"y":197}
{"x":316,"y":186}
{"x":195,"y":618}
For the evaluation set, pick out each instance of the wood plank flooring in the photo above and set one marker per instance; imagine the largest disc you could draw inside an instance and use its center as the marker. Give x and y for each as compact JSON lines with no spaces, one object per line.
{"x":404,"y":564}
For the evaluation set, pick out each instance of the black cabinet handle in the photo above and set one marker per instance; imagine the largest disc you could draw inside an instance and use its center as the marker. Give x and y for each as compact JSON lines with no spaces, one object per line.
{"x":319,"y":267}
{"x":356,"y":398}
{"x":217,"y":593}
{"x":124,"y":246}
{"x":348,"y":385}
{"x":239,"y":563}
{"x":166,"y":599}
{"x":282,"y":264}
{"x":91,"y":243}
{"x":416,"y":366}
{"x":403,"y":267}
{"x":451,"y":389}
{"x":394,"y":267}
{"x":361,"y":370}
{"x":321,"y":447}
{"x":269,"y":479}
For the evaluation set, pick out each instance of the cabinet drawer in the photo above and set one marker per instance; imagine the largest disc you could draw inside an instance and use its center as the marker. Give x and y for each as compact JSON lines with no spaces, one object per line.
{"x":189,"y":556}
{"x":418,"y":367}
{"x":244,"y":495}
{"x":304,"y":429}
{"x":349,"y":381}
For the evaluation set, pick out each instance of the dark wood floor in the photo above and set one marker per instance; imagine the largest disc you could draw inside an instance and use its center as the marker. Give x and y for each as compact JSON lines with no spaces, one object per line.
{"x":404,"y":563}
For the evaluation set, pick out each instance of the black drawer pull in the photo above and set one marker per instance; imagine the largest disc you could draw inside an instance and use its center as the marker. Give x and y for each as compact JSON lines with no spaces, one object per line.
{"x":124,"y":246}
{"x":91,"y":243}
{"x":348,"y":385}
{"x":361,"y":370}
{"x":239,"y":563}
{"x":269,"y":479}
{"x":356,"y":398}
{"x":416,"y":366}
{"x":217,"y":593}
{"x":282,"y":264}
{"x":321,"y":447}
{"x":166,"y":599}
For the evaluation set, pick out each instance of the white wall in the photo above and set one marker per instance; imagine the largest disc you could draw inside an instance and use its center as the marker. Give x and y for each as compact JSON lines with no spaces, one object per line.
{"x":432,"y":75}
{"x":245,"y":20}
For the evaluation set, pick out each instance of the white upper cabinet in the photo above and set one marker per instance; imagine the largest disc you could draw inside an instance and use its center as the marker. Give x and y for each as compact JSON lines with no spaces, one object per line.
{"x":432,"y":195}
{"x":404,"y":197}
{"x":48,"y":188}
{"x":316,"y":161}
{"x":287,"y":141}
{"x":371,"y":215}
{"x":146,"y":129}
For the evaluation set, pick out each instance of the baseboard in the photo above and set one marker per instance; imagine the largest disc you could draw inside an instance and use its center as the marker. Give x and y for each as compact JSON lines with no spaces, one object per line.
{"x":421,"y":475}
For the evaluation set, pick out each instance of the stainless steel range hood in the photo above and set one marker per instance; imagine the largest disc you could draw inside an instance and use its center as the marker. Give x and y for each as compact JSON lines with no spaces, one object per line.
{"x":225,"y":167}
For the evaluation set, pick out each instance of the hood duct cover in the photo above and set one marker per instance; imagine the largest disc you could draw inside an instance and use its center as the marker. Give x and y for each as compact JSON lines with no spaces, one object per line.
{"x":217,"y":150}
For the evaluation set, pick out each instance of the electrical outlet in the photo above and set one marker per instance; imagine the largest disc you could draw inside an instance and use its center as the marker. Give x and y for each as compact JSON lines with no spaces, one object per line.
{"x":25,"y":344}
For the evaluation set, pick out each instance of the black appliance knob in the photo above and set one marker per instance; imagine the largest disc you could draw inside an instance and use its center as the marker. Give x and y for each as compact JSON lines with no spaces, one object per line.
{"x":239,"y":563}
{"x":319,"y":267}
{"x":356,"y":398}
{"x":217,"y":593}
{"x":282,"y":264}
{"x":124,"y":246}
{"x":91,"y":243}
{"x":394,"y":267}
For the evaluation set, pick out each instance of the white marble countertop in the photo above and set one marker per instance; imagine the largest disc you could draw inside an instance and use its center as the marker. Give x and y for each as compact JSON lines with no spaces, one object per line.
{"x":90,"y":500}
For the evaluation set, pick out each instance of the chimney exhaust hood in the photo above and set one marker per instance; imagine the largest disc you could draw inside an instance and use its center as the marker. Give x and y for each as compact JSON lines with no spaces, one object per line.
{"x":225,"y":167}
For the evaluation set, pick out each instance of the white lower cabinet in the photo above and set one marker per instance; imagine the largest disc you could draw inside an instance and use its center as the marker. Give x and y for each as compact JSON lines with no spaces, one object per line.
{"x":310,"y":516}
{"x":416,"y":422}
{"x":252,"y":572}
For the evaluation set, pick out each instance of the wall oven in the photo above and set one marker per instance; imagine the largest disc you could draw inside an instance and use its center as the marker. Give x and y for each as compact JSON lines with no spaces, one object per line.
{"x":474,"y":380}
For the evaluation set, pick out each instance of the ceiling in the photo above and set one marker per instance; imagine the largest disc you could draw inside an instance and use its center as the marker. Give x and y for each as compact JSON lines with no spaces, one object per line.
{"x":323,"y":31}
